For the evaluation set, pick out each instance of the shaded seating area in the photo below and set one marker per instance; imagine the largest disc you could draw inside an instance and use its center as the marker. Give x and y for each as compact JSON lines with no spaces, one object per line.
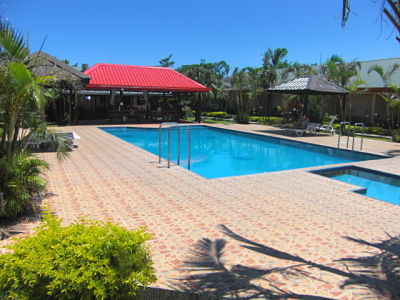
{"x":126,"y":93}
{"x":304,"y":86}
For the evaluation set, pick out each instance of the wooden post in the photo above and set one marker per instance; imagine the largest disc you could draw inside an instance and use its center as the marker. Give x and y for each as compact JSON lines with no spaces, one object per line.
{"x":121,"y":107}
{"x":372,"y":116}
{"x":305,"y":105}
{"x":71,"y":93}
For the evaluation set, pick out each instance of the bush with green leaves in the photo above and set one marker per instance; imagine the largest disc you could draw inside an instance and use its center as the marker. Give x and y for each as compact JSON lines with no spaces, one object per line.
{"x":267,"y":120}
{"x":20,"y":183}
{"x":85,"y":260}
{"x":218,"y":114}
{"x":368,"y":130}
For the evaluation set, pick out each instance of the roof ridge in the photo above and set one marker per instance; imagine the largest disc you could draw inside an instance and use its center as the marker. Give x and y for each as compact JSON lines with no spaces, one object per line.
{"x":124,"y":65}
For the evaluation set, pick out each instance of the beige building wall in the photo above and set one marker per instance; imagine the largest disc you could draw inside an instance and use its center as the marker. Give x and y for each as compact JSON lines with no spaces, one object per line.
{"x":371,"y":106}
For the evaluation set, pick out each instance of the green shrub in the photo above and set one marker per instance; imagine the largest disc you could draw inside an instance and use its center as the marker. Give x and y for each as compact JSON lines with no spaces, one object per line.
{"x":85,"y":260}
{"x":268,"y":120}
{"x":20,"y":183}
{"x":242,"y":118}
{"x":275,"y":120}
{"x":368,"y":130}
{"x":256,"y":119}
{"x":217,"y":114}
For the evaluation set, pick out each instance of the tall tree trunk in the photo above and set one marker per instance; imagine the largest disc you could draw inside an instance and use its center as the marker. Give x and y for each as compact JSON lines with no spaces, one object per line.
{"x":10,"y":134}
{"x":15,"y":139}
{"x":3,"y":136}
{"x":389,"y":121}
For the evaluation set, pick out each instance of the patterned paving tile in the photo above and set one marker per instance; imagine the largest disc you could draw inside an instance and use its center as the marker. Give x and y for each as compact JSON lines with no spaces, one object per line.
{"x":294,"y":213}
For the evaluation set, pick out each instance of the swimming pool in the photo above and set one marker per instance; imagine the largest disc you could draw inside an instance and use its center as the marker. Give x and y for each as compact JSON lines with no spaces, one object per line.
{"x":374,"y":184}
{"x":221,"y":153}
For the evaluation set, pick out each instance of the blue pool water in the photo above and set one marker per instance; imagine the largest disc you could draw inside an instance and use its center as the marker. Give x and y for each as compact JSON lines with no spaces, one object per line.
{"x":374,"y":184}
{"x":220,"y":153}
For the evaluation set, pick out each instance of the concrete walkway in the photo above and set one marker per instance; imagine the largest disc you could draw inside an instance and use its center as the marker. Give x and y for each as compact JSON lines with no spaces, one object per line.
{"x":270,"y":221}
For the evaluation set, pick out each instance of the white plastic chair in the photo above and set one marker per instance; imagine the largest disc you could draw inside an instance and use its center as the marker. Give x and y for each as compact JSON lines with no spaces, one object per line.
{"x":328,"y":127}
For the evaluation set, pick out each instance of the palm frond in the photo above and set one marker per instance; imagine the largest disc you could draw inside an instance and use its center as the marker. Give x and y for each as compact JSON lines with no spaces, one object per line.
{"x":12,"y":42}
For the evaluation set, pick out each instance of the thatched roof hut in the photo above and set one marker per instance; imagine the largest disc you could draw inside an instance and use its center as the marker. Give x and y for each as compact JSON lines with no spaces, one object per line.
{"x":47,"y":65}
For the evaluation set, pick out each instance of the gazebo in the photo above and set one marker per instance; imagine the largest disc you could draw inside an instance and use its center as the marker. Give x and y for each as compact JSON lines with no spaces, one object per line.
{"x":310,"y":85}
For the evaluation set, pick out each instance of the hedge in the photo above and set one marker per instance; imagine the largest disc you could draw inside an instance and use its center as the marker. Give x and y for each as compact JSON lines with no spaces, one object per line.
{"x":217,"y":114}
{"x":368,"y":130}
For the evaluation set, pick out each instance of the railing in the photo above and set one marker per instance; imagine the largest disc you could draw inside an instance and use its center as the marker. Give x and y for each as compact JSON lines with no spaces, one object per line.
{"x":361,"y":125}
{"x":341,"y":130}
{"x":171,"y":125}
{"x":350,"y":131}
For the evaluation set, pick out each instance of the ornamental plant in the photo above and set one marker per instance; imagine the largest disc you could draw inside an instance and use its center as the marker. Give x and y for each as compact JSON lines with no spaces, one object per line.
{"x":85,"y":260}
{"x":20,"y":183}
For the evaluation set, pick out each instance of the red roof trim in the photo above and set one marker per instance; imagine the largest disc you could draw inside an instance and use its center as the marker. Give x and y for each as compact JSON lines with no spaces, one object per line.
{"x":112,"y":76}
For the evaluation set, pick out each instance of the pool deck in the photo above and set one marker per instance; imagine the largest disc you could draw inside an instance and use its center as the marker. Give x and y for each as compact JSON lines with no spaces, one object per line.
{"x":284,"y":218}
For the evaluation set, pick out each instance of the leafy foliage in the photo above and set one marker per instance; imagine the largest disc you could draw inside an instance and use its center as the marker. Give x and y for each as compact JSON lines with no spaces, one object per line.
{"x":12,"y":42}
{"x":20,"y":183}
{"x":166,"y":62}
{"x":392,"y":98}
{"x":85,"y":260}
{"x":212,"y":75}
{"x":217,"y":114}
{"x":23,"y":97}
{"x":389,"y":8}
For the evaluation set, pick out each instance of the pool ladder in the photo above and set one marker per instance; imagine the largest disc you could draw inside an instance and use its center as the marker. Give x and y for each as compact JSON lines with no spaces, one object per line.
{"x":350,"y":130}
{"x":178,"y":126}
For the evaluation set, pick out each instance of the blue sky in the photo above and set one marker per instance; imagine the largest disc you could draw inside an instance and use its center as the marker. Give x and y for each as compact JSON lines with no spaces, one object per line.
{"x":239,"y":32}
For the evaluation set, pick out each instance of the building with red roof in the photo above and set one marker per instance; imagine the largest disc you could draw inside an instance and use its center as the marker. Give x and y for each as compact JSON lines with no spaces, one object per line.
{"x":133,"y":93}
{"x":140,"y":78}
{"x":115,"y":92}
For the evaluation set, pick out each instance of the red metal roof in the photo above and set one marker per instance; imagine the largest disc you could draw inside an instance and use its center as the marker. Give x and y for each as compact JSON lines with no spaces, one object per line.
{"x":111,"y":76}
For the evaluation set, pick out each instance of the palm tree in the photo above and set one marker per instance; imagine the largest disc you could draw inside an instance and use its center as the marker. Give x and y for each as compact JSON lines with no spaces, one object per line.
{"x":391,"y":98}
{"x":20,"y":182}
{"x":255,"y":85}
{"x":22,"y":100}
{"x":22,"y":94}
{"x":12,"y":43}
{"x":391,"y":9}
{"x":272,"y":61}
{"x":240,"y":83}
{"x":340,"y":72}
{"x":297,"y":69}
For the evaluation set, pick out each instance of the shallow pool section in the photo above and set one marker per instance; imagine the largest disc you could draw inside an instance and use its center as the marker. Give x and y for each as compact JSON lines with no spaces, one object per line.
{"x":375,"y":184}
{"x":218,"y":153}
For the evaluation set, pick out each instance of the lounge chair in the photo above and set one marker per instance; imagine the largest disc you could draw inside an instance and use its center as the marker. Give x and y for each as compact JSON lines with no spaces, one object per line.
{"x":311,"y":128}
{"x":44,"y":140}
{"x":328,"y":127}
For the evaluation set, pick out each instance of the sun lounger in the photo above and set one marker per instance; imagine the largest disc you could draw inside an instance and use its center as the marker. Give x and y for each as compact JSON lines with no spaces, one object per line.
{"x":311,"y":128}
{"x":328,"y":127}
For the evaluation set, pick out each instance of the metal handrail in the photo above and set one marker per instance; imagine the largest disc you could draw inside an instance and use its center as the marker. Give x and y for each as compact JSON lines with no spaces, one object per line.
{"x":172,"y":124}
{"x":340,"y":132}
{"x":350,"y":130}
{"x":160,"y":137}
{"x":362,"y":136}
